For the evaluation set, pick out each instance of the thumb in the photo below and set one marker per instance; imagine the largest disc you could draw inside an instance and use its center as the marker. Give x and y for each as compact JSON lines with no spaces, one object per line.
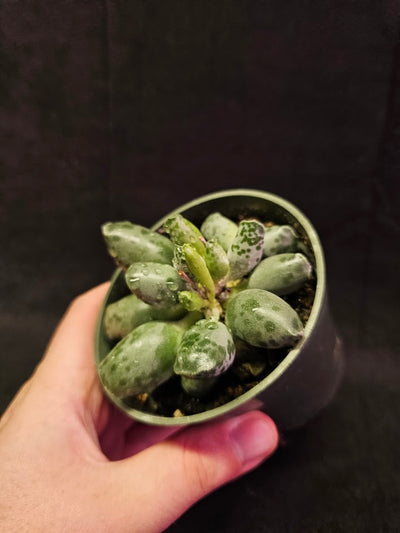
{"x":182,"y":469}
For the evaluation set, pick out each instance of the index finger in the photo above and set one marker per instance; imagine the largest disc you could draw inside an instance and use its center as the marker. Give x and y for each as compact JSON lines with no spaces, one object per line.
{"x":69,"y":359}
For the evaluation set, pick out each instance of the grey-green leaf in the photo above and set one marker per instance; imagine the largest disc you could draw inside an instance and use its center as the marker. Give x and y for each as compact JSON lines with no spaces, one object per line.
{"x":279,"y":240}
{"x":142,"y":360}
{"x":122,"y":316}
{"x":155,"y":283}
{"x":263,"y":319}
{"x":206,"y":350}
{"x":247,"y":248}
{"x":219,"y":228}
{"x":281,"y":274}
{"x":128,"y":243}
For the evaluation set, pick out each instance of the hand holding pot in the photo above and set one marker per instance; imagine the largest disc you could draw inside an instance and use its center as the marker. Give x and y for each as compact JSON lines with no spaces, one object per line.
{"x":71,"y":461}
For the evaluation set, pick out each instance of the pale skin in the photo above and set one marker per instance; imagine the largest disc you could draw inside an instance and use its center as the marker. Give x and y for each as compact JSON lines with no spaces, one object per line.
{"x":69,"y":461}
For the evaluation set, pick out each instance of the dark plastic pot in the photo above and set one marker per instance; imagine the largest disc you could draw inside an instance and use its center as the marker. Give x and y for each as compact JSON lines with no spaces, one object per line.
{"x":307,"y":378}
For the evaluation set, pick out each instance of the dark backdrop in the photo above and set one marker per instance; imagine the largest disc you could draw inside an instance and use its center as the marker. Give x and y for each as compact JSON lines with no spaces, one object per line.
{"x":126,"y":109}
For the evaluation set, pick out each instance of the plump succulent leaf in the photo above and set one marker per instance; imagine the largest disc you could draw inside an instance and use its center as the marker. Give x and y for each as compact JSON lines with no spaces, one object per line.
{"x":206,"y":350}
{"x":281,"y":274}
{"x":217,"y":261}
{"x":279,"y":240}
{"x":198,"y":387}
{"x":219,"y":228}
{"x":247,"y":248}
{"x":192,"y":301}
{"x":155,"y":283}
{"x":142,"y":360}
{"x":198,"y":267}
{"x":122,"y":316}
{"x":182,"y":231}
{"x":128,"y":243}
{"x":263,"y":319}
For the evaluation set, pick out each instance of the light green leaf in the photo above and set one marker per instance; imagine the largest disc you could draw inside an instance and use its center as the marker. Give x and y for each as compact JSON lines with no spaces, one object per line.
{"x":217,"y":261}
{"x":198,"y":268}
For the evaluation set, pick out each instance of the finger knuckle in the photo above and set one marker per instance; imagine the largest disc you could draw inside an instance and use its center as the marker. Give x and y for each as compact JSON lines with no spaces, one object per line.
{"x":198,"y":470}
{"x":206,"y":467}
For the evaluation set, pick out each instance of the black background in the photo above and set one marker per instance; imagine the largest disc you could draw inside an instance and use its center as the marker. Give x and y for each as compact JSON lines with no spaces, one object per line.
{"x":127,"y":109}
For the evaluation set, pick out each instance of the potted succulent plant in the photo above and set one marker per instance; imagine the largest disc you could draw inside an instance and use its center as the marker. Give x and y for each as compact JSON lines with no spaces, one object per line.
{"x":220,"y":307}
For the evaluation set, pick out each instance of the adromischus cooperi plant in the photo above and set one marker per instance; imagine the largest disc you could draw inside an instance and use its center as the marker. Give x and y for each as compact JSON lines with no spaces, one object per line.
{"x":198,"y":297}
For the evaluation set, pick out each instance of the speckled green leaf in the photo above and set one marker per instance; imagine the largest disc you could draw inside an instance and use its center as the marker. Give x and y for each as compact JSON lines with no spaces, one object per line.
{"x":217,"y":261}
{"x":128,"y":243}
{"x":281,"y":274}
{"x":182,"y":231}
{"x":206,"y":350}
{"x":122,"y":316}
{"x":219,"y":228}
{"x":142,"y":360}
{"x":279,"y":240}
{"x":263,"y":319}
{"x":247,"y":248}
{"x":155,"y":283}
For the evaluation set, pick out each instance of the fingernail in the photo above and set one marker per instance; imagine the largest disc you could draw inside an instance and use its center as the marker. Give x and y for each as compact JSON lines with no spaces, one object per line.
{"x":254,"y":437}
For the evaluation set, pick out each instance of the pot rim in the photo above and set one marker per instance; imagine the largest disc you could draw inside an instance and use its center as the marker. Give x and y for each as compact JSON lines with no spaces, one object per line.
{"x":158,"y":420}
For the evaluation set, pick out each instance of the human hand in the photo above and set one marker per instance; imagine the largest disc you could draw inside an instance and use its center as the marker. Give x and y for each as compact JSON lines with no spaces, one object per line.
{"x":69,"y":461}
